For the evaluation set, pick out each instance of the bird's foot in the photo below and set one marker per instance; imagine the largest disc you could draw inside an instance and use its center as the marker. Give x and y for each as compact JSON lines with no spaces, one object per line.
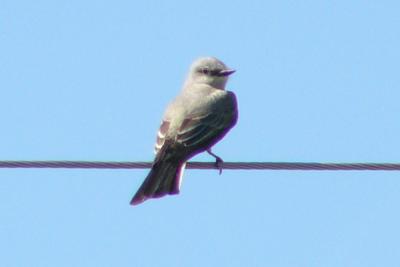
{"x":218,"y":161}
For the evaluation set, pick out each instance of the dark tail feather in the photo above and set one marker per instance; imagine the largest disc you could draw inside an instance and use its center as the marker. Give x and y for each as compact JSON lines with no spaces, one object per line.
{"x":172,"y":184}
{"x":164,"y":178}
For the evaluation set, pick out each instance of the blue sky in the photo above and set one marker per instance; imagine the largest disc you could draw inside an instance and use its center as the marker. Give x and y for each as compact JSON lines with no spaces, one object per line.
{"x":89,"y":80}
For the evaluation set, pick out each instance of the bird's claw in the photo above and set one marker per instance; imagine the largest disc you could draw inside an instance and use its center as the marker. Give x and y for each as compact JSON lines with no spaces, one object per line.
{"x":219,"y":164}
{"x":218,"y":161}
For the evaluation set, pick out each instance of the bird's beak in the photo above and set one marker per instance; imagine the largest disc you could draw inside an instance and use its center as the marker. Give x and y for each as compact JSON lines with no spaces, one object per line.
{"x":226,"y":72}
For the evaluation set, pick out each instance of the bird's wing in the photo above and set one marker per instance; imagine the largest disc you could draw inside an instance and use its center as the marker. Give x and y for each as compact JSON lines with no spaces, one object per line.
{"x":205,"y":130}
{"x":202,"y":130}
{"x":161,"y":134}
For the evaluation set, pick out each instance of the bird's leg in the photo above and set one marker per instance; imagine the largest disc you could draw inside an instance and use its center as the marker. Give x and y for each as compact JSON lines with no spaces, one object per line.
{"x":218,"y":161}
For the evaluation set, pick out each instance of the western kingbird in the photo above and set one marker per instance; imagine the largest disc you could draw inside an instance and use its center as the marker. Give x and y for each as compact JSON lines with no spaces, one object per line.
{"x":195,"y":121}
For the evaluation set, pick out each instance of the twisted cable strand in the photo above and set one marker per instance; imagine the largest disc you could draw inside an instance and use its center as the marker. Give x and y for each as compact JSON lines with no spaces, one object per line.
{"x":207,"y":165}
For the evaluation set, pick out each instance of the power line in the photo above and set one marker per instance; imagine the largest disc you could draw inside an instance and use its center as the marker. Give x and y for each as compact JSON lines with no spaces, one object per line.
{"x":208,"y":165}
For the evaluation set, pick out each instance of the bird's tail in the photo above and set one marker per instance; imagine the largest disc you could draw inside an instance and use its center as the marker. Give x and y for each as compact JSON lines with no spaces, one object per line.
{"x":164,"y":178}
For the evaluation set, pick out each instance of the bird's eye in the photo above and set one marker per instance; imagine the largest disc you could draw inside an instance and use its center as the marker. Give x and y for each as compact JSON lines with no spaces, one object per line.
{"x":205,"y":71}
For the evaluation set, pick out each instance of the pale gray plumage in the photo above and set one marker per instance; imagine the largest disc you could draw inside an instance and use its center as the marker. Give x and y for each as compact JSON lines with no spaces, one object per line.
{"x":197,"y":119}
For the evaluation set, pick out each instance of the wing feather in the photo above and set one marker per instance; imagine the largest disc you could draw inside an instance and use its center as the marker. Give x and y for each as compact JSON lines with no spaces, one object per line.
{"x":162,"y":132}
{"x":204,"y":129}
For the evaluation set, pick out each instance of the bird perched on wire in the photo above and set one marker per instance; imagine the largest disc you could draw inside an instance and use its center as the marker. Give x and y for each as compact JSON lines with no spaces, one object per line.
{"x":193,"y":122}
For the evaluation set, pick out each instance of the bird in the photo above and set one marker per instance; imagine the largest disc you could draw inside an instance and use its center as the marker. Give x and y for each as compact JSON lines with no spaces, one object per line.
{"x":200,"y":116}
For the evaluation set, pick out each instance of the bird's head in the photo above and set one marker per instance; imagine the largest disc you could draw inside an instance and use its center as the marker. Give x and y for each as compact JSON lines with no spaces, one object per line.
{"x":210,"y":71}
